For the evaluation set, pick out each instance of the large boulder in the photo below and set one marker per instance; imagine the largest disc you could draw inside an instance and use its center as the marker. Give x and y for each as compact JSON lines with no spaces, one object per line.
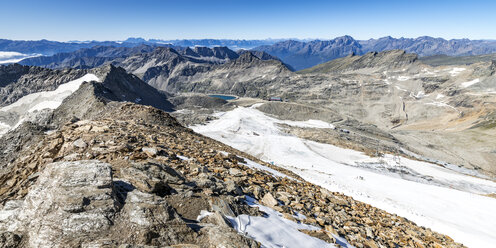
{"x":70,"y":202}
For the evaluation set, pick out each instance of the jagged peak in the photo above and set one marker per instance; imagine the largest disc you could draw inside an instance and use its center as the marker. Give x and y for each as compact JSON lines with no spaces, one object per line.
{"x":165,"y":49}
{"x":247,"y":57}
{"x":135,"y":40}
{"x":188,"y":51}
{"x":344,"y":38}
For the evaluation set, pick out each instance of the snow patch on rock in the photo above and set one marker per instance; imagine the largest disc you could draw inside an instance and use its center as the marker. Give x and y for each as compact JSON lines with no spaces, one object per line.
{"x":273,"y":230}
{"x":470,"y":83}
{"x":39,"y":101}
{"x":455,"y":71}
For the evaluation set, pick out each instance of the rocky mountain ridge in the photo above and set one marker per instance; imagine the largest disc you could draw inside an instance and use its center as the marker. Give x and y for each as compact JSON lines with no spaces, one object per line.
{"x":150,"y":179}
{"x":169,"y":70}
{"x":33,"y":92}
{"x":388,"y":60}
{"x":17,"y":80}
{"x":248,"y":75}
{"x":156,"y":66}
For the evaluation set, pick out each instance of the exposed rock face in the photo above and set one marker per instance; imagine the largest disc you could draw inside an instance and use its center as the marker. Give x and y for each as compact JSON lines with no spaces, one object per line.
{"x":245,"y":76}
{"x":259,"y":54}
{"x":87,"y":58}
{"x":217,"y":52}
{"x":384,"y":61}
{"x":177,"y":71}
{"x":17,"y":81}
{"x":72,"y":209}
{"x":157,"y":66}
{"x":128,"y":87}
{"x":63,"y":208}
{"x":11,"y":73}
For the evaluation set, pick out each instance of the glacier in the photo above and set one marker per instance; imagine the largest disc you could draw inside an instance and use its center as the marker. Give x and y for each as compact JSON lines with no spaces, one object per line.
{"x":444,"y":200}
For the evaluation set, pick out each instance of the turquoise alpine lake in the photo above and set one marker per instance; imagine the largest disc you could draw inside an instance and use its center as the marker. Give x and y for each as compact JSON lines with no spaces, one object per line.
{"x":224,"y":97}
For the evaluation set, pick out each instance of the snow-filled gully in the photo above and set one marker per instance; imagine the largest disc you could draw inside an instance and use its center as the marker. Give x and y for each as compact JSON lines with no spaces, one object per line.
{"x":33,"y":102}
{"x":432,"y":196}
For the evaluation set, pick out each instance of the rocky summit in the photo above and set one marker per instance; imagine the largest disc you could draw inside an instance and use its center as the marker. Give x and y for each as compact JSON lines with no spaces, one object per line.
{"x":133,"y":177}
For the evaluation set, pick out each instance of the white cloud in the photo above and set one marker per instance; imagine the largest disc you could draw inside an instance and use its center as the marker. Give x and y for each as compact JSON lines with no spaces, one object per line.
{"x":7,"y":57}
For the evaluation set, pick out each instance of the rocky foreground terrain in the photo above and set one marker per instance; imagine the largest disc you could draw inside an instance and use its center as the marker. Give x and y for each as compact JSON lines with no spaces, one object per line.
{"x":103,"y":170}
{"x":135,"y":176}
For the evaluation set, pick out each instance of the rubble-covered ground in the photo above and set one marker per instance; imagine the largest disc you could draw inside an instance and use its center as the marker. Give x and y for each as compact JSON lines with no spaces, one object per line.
{"x":132,"y":176}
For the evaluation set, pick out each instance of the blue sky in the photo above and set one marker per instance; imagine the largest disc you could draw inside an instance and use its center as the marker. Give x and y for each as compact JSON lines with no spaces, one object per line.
{"x":117,"y":20}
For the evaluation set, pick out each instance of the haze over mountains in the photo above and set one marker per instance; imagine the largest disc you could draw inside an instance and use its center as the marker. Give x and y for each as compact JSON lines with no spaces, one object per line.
{"x":296,"y":53}
{"x":302,"y":55}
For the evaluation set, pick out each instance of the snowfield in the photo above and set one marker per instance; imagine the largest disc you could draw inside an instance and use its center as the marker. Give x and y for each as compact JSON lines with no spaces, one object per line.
{"x":432,"y":196}
{"x":21,"y":109}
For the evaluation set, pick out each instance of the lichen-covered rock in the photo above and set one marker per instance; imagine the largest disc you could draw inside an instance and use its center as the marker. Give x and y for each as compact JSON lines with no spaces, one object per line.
{"x":70,"y":202}
{"x":149,"y":219}
{"x":269,"y":200}
{"x":219,"y":236}
{"x":9,"y":240}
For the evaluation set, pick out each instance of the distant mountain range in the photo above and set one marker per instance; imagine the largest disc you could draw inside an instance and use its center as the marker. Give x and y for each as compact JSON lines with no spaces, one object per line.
{"x":232,"y":44}
{"x":86,"y":57}
{"x":301,"y":55}
{"x":46,"y":47}
{"x":296,"y":53}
